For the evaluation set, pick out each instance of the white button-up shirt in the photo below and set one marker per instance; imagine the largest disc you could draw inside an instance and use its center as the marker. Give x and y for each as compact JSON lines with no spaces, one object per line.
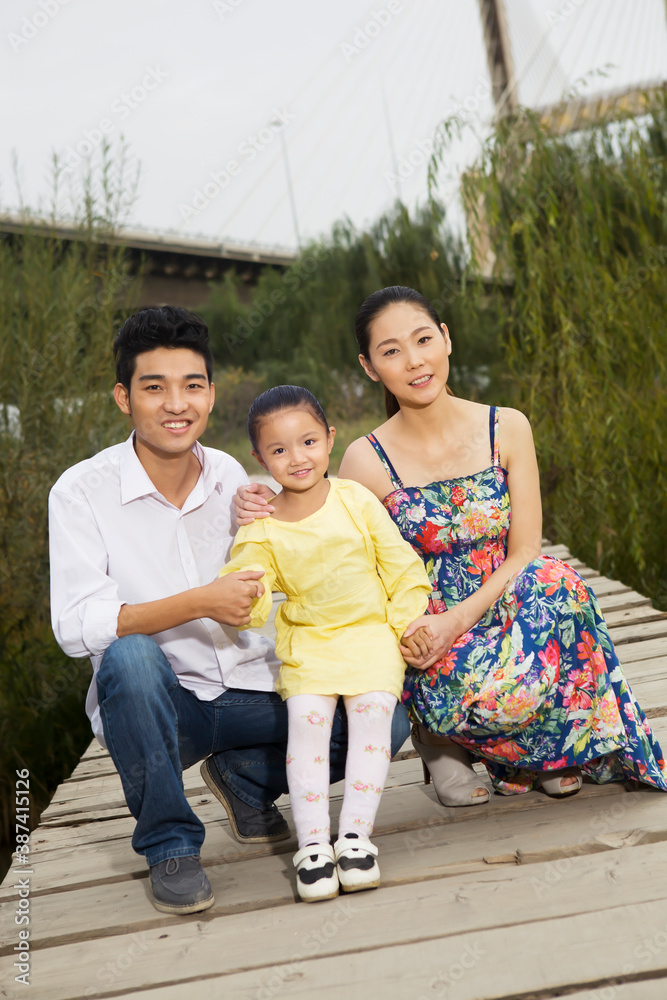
{"x":114,"y":540}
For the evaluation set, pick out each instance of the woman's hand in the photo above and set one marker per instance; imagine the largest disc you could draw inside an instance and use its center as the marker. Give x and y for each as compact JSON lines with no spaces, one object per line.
{"x":252,"y":501}
{"x":419,"y":642}
{"x":444,"y":629}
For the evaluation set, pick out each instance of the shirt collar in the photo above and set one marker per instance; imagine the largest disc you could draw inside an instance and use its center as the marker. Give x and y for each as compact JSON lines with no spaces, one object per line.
{"x":135,"y":482}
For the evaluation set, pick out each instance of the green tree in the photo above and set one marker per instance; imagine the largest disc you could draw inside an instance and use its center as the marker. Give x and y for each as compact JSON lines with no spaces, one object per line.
{"x":60,"y":300}
{"x":298,"y":324}
{"x":578,"y":223}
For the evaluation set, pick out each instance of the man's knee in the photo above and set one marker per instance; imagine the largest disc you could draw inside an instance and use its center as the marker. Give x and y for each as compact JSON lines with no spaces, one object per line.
{"x":134,"y":662}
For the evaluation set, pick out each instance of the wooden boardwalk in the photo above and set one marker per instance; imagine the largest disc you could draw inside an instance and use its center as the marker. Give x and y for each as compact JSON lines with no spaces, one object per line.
{"x":530,"y":897}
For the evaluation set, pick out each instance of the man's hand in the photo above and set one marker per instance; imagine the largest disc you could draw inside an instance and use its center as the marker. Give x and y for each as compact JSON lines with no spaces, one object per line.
{"x":252,"y":501}
{"x":228,"y":599}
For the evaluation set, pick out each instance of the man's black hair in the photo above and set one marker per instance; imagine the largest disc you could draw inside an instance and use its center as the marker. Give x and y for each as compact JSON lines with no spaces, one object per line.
{"x":159,"y":326}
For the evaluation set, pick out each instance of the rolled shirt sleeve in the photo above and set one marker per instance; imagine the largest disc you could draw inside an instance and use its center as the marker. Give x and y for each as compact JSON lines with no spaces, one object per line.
{"x":84,"y":600}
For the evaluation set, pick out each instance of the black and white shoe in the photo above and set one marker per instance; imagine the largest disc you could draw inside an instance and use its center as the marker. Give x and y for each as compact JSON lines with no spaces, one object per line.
{"x":316,"y":876}
{"x":356,"y":861}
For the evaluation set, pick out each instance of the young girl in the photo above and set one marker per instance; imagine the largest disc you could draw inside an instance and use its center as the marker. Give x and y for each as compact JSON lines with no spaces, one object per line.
{"x":353,"y":585}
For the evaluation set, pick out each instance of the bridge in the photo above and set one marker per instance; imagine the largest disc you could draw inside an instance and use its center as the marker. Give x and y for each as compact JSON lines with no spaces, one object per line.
{"x":175,"y":269}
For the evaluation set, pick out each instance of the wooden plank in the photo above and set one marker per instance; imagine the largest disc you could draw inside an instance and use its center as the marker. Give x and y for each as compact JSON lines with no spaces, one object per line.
{"x":591,"y":902}
{"x":646,"y":649}
{"x":525,"y":823}
{"x":92,"y":769}
{"x":424,"y":810}
{"x":73,"y":798}
{"x":216,"y":989}
{"x":652,"y":669}
{"x":639,"y":633}
{"x":634,"y":616}
{"x":421,"y":855}
{"x":652,"y":696}
{"x":602,"y":586}
{"x":557,"y":551}
{"x":618,"y":602}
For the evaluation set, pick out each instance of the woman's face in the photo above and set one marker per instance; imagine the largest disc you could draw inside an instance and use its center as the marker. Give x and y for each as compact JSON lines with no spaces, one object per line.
{"x":409,"y":354}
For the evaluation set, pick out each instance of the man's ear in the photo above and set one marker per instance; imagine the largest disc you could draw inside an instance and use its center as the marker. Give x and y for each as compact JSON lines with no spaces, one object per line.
{"x":368,"y":368}
{"x":122,"y":397}
{"x":256,"y":454}
{"x":212,"y":388}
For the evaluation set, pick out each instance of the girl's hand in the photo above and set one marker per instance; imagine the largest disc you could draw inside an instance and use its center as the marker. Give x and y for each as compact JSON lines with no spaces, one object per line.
{"x":252,"y":501}
{"x":419,"y":643}
{"x":444,"y":629}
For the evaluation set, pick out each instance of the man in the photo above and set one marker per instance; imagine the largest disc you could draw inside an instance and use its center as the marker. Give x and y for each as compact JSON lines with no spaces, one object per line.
{"x":138,"y":534}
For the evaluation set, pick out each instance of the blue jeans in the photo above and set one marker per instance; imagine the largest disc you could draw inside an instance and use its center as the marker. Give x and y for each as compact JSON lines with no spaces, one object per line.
{"x":154,"y":728}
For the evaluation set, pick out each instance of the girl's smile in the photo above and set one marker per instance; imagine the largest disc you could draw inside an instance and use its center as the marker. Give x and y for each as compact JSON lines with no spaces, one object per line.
{"x":294,"y":446}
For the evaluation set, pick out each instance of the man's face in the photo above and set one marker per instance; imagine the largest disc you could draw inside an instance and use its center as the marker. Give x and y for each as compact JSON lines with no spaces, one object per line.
{"x":169,"y":400}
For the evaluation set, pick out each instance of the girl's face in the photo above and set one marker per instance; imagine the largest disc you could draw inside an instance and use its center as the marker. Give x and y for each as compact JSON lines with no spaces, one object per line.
{"x":409,"y":354}
{"x":294,"y":446}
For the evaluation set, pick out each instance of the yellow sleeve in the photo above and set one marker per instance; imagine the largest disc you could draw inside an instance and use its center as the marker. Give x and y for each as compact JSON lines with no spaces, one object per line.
{"x":401,"y":570}
{"x":251,"y":553}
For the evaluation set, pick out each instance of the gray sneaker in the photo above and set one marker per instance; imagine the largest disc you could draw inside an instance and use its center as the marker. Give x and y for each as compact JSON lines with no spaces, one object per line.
{"x":180,"y":885}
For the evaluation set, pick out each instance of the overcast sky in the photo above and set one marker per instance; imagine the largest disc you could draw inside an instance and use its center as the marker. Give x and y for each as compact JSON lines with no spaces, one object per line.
{"x":198,"y":90}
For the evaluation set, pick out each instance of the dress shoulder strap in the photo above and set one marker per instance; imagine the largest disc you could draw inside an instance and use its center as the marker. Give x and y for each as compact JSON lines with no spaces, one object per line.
{"x":384,"y":458}
{"x":493,"y":435}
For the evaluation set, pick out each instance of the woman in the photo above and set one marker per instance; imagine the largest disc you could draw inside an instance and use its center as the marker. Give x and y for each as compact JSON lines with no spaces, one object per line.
{"x":523,"y":673}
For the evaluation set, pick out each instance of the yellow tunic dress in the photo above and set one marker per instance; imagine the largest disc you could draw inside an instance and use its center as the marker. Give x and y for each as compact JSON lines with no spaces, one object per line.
{"x":352,"y":584}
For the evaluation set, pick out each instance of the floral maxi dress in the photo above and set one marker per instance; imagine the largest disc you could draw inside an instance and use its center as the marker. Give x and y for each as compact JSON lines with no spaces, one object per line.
{"x":536,"y":684}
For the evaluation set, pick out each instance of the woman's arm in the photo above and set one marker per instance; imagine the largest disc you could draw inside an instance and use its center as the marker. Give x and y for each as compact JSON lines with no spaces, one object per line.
{"x":524,"y":540}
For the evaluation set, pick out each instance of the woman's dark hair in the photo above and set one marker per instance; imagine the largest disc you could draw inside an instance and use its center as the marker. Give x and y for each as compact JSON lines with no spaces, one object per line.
{"x":369,"y":311}
{"x":160,"y":326}
{"x":282,"y":397}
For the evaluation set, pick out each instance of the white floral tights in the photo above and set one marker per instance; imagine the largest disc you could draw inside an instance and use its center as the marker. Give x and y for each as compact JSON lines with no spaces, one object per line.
{"x":368,"y":753}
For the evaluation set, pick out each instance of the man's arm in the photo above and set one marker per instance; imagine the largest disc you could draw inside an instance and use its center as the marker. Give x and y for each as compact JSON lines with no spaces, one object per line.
{"x":87,"y":612}
{"x":227,"y":600}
